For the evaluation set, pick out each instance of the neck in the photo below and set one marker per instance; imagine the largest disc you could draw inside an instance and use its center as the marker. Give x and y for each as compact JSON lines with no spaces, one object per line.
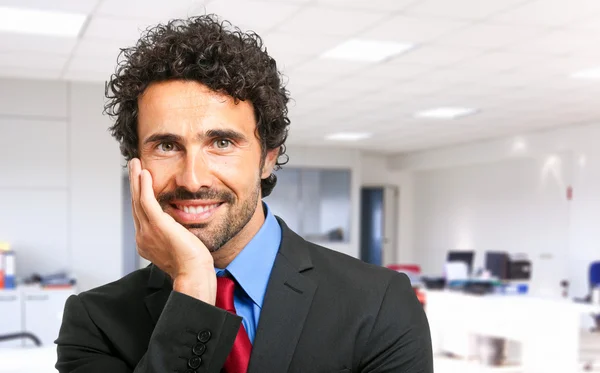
{"x":227,"y":253}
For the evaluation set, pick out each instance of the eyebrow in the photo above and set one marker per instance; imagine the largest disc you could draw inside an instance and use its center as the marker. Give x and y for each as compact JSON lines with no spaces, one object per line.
{"x":163,"y":137}
{"x":227,"y":134}
{"x":215,"y":133}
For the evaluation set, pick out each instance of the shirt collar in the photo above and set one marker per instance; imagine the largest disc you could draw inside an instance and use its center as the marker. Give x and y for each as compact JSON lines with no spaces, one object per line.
{"x":251,"y":268}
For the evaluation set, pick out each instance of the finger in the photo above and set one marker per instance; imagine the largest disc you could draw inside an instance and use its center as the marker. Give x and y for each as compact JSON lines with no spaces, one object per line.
{"x":136,"y":170}
{"x":136,"y":220}
{"x":148,"y":201}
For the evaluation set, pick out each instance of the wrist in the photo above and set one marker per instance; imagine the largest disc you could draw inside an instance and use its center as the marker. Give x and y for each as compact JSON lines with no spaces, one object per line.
{"x":200,"y":284}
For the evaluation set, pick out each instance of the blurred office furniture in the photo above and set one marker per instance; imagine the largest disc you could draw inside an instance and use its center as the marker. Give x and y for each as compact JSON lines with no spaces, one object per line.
{"x":462,"y":256}
{"x":503,"y":267}
{"x":412,"y":268}
{"x":378,"y":224}
{"x":456,"y":271}
{"x":32,"y":310}
{"x":20,"y":337}
{"x":547,"y":345}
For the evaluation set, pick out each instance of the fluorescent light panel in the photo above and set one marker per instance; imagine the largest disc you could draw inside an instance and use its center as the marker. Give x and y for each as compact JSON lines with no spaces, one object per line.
{"x":446,"y":113}
{"x":348,"y":136}
{"x":593,"y":73}
{"x":40,"y":22}
{"x":367,"y":50}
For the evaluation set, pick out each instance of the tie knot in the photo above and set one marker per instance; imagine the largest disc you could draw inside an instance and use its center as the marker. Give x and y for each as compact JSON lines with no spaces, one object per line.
{"x":225,"y":289}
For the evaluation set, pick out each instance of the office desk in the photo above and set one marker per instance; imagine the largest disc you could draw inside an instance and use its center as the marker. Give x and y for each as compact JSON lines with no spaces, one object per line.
{"x":548,"y":330}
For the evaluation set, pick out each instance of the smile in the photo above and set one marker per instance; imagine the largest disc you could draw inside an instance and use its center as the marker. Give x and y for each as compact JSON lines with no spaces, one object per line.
{"x":197,"y":209}
{"x":194,"y":212}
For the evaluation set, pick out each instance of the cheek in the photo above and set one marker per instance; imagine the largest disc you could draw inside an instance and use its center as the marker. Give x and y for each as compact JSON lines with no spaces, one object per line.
{"x":163,"y":175}
{"x":238,"y":174}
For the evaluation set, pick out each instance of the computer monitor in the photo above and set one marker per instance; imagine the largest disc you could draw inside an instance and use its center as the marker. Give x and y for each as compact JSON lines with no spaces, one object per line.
{"x":462,"y":256}
{"x":497,"y":263}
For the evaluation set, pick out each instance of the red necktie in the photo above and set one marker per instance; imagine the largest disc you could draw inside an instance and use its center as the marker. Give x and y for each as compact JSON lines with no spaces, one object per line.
{"x":239,"y":357}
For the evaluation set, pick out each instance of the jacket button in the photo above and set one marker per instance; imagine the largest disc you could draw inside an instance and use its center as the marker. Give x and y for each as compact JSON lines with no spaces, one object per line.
{"x":194,"y":362}
{"x":204,"y":336}
{"x":190,"y":371}
{"x":199,"y":348}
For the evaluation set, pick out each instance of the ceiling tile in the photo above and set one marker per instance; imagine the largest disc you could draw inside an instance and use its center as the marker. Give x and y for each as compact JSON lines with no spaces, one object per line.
{"x":34,"y":43}
{"x":502,"y":61}
{"x":85,"y":76}
{"x":301,"y":44}
{"x":559,"y":42}
{"x":490,"y":36}
{"x":393,"y":70}
{"x":255,"y":15}
{"x":30,"y":60}
{"x":98,"y":47}
{"x":333,"y":67}
{"x":152,"y":9}
{"x":29,"y":73}
{"x":104,"y":65}
{"x":127,"y":30}
{"x":413,"y":29}
{"x":325,"y":21}
{"x":438,"y":55}
{"x":378,"y":5}
{"x":461,"y":9}
{"x":74,"y":6}
{"x":550,"y":12}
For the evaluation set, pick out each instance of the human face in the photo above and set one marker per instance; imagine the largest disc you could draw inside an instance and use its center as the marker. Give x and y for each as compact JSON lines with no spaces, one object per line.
{"x":205,"y":160}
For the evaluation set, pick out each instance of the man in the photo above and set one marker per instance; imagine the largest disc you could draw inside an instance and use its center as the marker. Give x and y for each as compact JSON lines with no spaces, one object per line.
{"x":201,"y":117}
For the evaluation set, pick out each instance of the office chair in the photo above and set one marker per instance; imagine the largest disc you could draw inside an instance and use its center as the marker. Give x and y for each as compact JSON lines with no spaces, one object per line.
{"x":32,"y":337}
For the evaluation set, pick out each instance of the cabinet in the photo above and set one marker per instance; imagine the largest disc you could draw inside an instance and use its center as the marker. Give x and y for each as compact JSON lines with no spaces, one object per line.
{"x":11,"y":316}
{"x":33,"y":310}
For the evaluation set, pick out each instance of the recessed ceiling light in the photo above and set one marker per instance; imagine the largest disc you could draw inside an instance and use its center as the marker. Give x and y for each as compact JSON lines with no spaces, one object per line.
{"x":367,"y":50}
{"x":445,"y":112}
{"x":41,"y":22}
{"x":519,"y":145}
{"x":593,"y":73}
{"x":348,"y":136}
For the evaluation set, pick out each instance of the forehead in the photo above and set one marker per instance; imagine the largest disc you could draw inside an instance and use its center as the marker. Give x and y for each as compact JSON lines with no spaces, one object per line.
{"x":190,"y":107}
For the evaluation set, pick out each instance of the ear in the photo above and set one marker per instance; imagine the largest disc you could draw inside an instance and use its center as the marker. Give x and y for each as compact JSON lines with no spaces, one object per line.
{"x":270,"y":161}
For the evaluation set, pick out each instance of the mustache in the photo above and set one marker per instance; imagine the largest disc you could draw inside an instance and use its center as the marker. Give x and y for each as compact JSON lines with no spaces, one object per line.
{"x":181,"y":193}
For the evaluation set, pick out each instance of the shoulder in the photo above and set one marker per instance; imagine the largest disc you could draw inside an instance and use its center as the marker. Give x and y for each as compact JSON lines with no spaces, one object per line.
{"x":364,"y":280}
{"x":131,"y":288}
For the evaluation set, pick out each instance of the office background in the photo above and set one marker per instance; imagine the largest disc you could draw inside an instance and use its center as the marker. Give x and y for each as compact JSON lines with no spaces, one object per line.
{"x":62,"y":178}
{"x":481,"y":131}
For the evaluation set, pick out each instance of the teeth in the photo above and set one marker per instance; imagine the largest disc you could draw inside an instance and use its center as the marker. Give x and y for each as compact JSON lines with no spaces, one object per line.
{"x":196,"y":209}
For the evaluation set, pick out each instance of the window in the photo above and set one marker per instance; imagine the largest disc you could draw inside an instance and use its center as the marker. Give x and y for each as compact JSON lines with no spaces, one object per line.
{"x":315,"y":203}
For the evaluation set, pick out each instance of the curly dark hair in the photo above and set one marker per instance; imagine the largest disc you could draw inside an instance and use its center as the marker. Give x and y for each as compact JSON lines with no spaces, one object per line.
{"x":214,"y":53}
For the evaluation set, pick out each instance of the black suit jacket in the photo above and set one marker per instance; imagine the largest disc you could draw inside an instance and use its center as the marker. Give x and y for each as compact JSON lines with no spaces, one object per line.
{"x":323,"y":312}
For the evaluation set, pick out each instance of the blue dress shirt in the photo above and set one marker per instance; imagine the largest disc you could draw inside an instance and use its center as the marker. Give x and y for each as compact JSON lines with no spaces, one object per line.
{"x":251,"y":268}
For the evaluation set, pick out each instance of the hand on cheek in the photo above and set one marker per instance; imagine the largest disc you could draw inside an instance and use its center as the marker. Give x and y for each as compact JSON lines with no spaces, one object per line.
{"x":168,"y":244}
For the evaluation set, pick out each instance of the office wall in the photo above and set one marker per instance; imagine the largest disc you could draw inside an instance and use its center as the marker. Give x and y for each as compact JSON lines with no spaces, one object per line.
{"x":510,"y":194}
{"x":59,"y":180}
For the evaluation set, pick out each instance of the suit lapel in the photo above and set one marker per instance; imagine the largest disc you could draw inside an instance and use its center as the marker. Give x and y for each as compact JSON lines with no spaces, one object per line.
{"x":287,"y":303}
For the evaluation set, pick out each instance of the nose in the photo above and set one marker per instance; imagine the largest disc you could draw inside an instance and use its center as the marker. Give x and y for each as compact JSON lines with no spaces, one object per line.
{"x":195,"y":172}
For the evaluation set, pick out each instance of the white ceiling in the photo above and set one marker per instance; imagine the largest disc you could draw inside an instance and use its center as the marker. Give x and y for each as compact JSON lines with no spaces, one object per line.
{"x":511,"y":59}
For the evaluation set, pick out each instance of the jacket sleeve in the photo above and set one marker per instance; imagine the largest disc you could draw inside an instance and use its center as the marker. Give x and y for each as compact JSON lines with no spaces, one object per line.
{"x":190,"y":336}
{"x":400,"y":341}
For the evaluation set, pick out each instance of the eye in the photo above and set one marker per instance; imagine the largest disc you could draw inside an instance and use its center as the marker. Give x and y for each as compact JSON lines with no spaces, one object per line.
{"x":222,"y":143}
{"x":166,"y":147}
